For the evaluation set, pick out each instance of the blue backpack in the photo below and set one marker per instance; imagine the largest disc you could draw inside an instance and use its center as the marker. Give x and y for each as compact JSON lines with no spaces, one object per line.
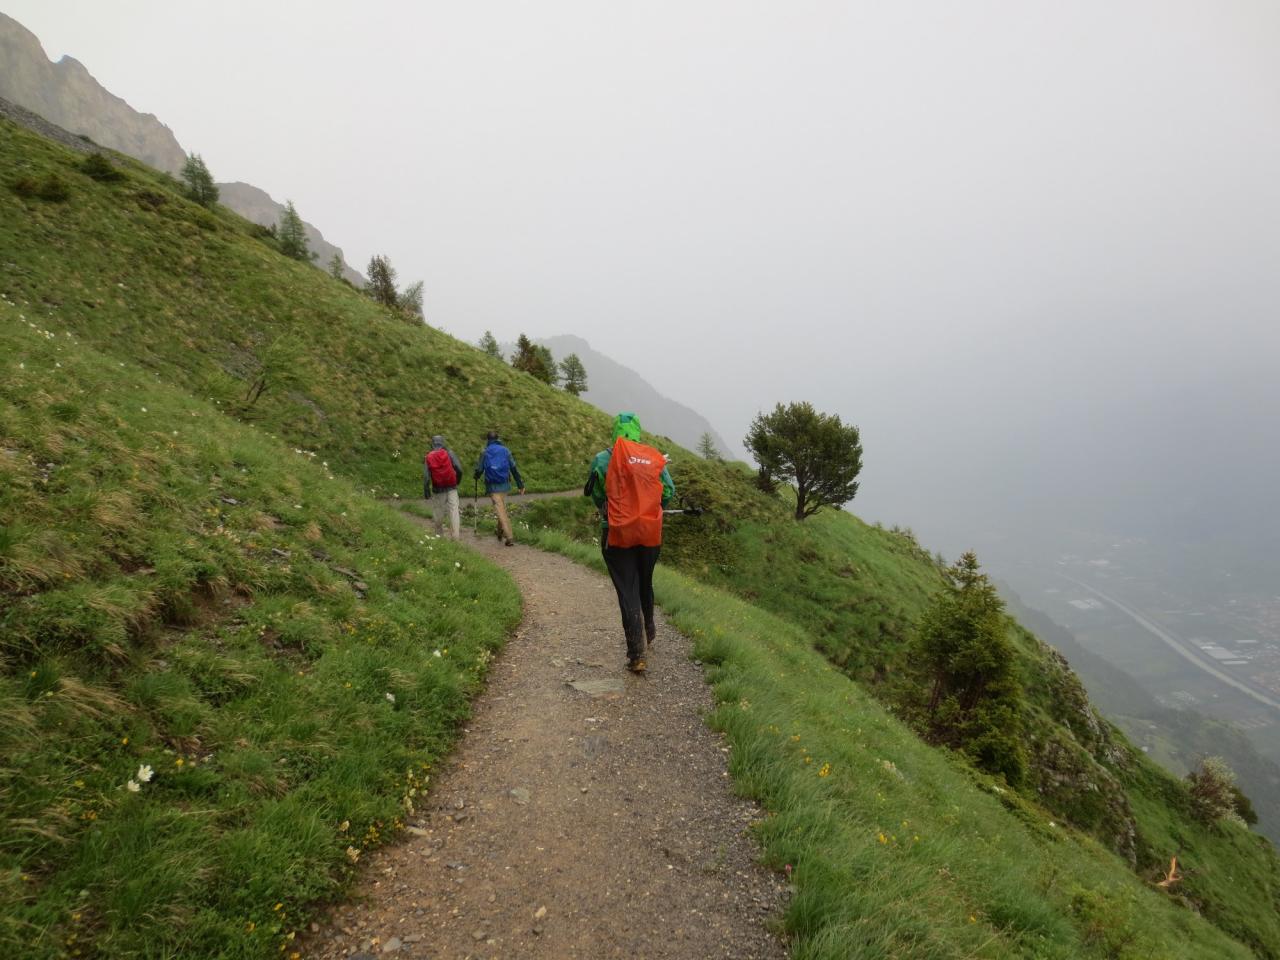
{"x":497,"y":464}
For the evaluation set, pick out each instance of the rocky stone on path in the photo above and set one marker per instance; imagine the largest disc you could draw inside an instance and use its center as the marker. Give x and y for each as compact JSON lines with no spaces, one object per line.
{"x":520,"y":795}
{"x":608,"y":687}
{"x":392,"y":945}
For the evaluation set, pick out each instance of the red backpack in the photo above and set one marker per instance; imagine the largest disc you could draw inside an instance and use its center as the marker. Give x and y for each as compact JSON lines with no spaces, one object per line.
{"x":633,"y":487}
{"x":441,"y":468}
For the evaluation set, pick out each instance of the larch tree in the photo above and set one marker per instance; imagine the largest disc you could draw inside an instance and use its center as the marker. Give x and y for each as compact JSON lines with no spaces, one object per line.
{"x":575,"y":374}
{"x":381,"y":282}
{"x":975,"y":702}
{"x":199,"y":181}
{"x":292,"y":235}
{"x":489,"y":344}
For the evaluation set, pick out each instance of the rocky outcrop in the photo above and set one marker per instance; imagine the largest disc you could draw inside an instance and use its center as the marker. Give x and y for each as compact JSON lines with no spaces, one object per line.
{"x":1077,"y":759}
{"x":257,"y":205}
{"x":65,"y":93}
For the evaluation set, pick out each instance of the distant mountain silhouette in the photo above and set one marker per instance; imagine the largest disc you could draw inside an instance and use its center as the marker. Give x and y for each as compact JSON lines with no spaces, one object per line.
{"x":66,"y":94}
{"x":613,"y":387}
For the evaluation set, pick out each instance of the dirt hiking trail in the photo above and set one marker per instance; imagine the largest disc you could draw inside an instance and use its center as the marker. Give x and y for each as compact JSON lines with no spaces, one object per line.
{"x":585,"y":812}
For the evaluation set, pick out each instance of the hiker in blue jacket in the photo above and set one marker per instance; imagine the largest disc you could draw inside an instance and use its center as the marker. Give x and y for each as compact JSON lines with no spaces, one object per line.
{"x":498,"y":467}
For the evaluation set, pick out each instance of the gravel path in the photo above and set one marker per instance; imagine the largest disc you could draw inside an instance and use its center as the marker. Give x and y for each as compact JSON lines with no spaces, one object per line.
{"x":585,"y":821}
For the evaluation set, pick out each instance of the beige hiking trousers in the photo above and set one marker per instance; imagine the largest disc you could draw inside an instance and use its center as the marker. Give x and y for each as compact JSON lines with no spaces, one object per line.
{"x":500,"y":508}
{"x":445,"y":503}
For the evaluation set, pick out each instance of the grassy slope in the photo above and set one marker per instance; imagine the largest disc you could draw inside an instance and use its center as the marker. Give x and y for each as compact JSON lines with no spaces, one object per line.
{"x":899,"y":850}
{"x":854,"y":590}
{"x":180,"y":591}
{"x":201,"y":299}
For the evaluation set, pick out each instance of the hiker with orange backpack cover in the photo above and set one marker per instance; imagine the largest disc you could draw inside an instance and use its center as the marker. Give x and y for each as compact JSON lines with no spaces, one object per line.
{"x":441,"y":473}
{"x":630,"y":485}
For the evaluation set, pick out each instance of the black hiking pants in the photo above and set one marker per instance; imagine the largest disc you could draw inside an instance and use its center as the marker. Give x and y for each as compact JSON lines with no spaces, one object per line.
{"x":631,"y":570}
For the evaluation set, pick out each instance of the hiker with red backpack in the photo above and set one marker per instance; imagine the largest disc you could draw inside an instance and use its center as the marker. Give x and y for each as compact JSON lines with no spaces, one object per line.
{"x":630,"y":485}
{"x":441,"y":474}
{"x":498,"y":467}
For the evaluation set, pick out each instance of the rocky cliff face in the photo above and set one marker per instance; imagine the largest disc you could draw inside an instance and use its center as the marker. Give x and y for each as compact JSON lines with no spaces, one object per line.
{"x":66,"y":94}
{"x":257,"y":205}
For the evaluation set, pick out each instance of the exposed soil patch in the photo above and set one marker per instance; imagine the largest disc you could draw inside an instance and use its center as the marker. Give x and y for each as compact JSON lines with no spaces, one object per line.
{"x":586,"y":812}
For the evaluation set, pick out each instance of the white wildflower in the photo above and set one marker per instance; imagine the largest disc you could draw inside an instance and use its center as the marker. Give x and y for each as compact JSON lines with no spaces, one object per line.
{"x":435,"y":653}
{"x":145,"y":773}
{"x":457,"y":564}
{"x":391,"y":697}
{"x":133,"y":786}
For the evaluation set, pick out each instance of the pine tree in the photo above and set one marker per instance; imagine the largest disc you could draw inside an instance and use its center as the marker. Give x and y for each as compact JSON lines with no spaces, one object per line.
{"x":707,"y":448}
{"x":548,"y":372}
{"x":381,"y":285}
{"x":293,"y":235}
{"x":489,"y":344}
{"x":976,"y":702}
{"x":199,"y":181}
{"x":525,"y":358}
{"x":575,"y":374}
{"x":336,"y":266}
{"x":814,"y":451}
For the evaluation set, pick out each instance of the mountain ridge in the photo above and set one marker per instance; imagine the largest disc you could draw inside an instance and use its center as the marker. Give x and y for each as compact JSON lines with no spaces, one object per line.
{"x":66,"y":94}
{"x":613,"y":386}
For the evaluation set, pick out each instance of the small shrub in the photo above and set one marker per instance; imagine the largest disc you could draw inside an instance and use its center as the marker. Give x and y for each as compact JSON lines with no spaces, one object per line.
{"x":52,"y":188}
{"x":99,"y":167}
{"x":151,"y":199}
{"x":1213,"y":791}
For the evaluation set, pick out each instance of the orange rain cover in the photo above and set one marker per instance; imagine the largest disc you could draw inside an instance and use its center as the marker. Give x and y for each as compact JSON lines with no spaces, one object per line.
{"x":633,"y":487}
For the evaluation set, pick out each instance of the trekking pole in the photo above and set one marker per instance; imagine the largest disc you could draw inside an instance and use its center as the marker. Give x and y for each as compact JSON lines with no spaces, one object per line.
{"x":688,"y":509}
{"x":475,"y":508}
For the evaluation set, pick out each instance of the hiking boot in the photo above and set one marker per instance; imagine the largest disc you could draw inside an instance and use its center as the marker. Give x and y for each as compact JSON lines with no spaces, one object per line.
{"x":511,"y":543}
{"x":636,"y":665}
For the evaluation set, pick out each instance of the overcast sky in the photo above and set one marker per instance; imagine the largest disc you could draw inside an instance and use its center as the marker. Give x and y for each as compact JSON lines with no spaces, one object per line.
{"x":1030,"y":248}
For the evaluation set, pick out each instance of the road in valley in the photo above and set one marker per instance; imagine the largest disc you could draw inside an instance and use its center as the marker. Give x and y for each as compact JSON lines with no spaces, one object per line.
{"x":1183,"y":648}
